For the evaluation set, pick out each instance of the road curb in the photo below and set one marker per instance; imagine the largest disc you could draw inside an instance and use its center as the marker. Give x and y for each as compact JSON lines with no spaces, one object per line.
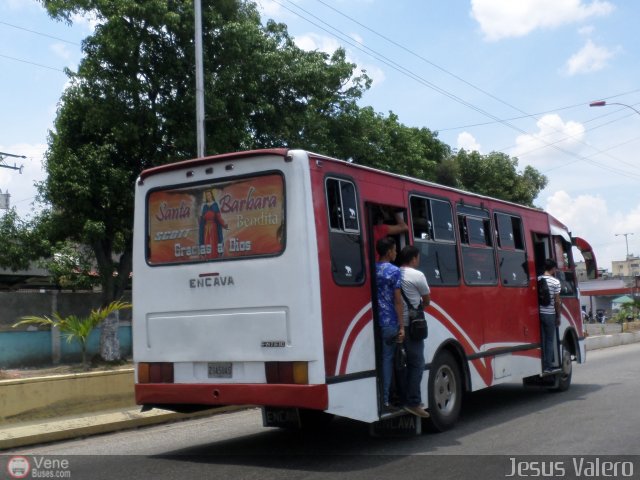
{"x":606,"y":341}
{"x":14,"y":436}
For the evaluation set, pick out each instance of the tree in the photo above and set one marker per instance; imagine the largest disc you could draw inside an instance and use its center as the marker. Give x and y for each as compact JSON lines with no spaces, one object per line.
{"x":494,"y":175}
{"x":131,"y":104}
{"x":372,"y":139}
{"x":76,"y":328}
{"x":71,"y":266}
{"x":21,"y":241}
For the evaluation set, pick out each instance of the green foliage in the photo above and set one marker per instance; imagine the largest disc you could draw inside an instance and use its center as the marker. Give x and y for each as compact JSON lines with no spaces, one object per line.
{"x":131,"y":104}
{"x":71,"y":266}
{"x":76,"y":328}
{"x":21,"y":241}
{"x":372,"y":139}
{"x":628,"y":310}
{"x":494,"y":175}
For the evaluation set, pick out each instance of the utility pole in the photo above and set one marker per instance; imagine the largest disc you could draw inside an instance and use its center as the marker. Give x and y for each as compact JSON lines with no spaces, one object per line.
{"x":197,"y":7}
{"x":626,"y":241}
{"x":4,"y":155}
{"x":4,"y":197}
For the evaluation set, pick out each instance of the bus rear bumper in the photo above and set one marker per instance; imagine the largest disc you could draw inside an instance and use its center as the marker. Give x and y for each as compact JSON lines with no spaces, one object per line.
{"x":300,"y":396}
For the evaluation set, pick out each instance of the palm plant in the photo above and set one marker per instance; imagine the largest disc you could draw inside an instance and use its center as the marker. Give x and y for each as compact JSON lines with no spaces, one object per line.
{"x":74,"y":327}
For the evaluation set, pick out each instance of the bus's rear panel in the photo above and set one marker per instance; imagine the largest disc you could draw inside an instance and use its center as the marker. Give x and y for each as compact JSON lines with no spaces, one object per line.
{"x":217,"y":320}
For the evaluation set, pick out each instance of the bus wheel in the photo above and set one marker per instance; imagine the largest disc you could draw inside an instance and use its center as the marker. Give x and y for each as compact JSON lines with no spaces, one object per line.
{"x":445,"y":392}
{"x":564,"y":377}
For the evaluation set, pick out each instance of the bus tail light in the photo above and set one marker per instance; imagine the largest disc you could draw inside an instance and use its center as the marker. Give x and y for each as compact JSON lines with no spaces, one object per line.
{"x":287,"y":372}
{"x":157,"y":372}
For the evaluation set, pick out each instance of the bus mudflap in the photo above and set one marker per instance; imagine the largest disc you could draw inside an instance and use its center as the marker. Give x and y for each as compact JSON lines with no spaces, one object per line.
{"x":281,"y":417}
{"x":396,"y":426}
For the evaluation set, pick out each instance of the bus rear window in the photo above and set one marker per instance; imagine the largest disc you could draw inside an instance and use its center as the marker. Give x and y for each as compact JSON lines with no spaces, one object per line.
{"x":243,"y":217}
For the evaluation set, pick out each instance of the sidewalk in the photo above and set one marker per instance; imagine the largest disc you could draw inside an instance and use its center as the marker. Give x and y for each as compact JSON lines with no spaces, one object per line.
{"x":80,"y":425}
{"x":65,"y":428}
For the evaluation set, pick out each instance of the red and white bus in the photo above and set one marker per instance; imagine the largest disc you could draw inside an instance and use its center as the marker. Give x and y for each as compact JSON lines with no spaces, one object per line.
{"x":254,"y":284}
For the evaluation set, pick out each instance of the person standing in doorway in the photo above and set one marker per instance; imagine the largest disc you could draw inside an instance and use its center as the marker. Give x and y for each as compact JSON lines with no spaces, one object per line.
{"x":550,"y":314}
{"x":388,"y":284}
{"x":416,"y":291}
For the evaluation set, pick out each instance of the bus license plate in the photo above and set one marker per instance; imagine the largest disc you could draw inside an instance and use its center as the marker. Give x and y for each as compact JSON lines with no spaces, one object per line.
{"x":220,"y":369}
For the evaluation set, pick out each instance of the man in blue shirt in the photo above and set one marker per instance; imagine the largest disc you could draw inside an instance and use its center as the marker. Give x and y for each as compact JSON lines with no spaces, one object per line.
{"x":388,"y":283}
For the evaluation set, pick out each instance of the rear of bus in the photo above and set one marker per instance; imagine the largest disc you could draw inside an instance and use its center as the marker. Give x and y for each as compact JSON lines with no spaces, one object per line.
{"x":225,"y":284}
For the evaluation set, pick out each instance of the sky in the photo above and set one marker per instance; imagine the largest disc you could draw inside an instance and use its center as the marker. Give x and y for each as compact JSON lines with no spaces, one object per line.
{"x":488,"y":75}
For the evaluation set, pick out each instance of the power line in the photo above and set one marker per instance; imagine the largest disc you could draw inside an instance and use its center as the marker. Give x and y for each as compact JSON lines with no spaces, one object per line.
{"x":32,"y":63}
{"x":553,"y":144}
{"x":598,"y":151}
{"x":391,"y":63}
{"x":457,"y":77}
{"x":534,"y":115}
{"x":411,"y":52}
{"x":40,"y":33}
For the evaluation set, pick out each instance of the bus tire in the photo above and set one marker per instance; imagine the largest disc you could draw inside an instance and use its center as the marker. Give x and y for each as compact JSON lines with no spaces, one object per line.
{"x":445,"y":392}
{"x":563,"y":380}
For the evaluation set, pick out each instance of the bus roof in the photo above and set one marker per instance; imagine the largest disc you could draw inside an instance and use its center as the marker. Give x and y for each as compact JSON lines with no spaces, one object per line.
{"x":194,"y":162}
{"x":283,"y":152}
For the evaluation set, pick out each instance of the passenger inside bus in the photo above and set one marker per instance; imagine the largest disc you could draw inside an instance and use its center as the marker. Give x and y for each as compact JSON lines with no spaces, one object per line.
{"x":387,"y":223}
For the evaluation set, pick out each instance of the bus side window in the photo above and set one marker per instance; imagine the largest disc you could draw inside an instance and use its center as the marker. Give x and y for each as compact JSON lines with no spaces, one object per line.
{"x":565,"y":271}
{"x":434,"y":236}
{"x":511,"y":250}
{"x":345,"y":237}
{"x":478,"y":255}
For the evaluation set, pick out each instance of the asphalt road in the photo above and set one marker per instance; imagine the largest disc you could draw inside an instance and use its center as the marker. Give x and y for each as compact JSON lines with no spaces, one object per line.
{"x":498,"y":428}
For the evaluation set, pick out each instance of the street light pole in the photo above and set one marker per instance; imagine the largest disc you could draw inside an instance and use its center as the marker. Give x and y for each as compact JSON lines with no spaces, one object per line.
{"x":602,"y":103}
{"x":626,"y":240}
{"x":200,"y":133}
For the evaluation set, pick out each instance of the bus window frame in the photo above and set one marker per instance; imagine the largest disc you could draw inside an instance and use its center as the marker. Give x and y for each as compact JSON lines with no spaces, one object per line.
{"x":464,"y":211}
{"x":351,"y":231}
{"x":568,"y":267}
{"x":344,"y":231}
{"x":209,"y":182}
{"x":435,"y":241}
{"x":511,"y":249}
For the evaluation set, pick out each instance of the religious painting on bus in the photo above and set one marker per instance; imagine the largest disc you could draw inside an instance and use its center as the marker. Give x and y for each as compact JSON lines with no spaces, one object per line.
{"x":238,"y":218}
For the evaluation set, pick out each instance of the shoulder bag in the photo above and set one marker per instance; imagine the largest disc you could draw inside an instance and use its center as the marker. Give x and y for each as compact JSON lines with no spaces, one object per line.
{"x":418,"y":329}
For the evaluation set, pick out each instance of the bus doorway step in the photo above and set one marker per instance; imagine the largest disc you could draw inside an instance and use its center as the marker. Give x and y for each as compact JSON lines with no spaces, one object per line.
{"x":398,"y":424}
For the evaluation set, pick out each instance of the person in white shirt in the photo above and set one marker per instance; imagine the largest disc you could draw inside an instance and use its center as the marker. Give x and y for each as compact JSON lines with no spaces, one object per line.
{"x":416,"y":290}
{"x":550,"y":314}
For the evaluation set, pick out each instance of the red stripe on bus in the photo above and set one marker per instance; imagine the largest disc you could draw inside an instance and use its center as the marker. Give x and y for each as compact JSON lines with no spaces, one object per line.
{"x":300,"y":396}
{"x":353,"y":335}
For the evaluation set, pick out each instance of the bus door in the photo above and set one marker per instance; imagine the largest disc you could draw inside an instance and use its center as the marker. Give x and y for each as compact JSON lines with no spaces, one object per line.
{"x":383,"y":220}
{"x":542,"y":251}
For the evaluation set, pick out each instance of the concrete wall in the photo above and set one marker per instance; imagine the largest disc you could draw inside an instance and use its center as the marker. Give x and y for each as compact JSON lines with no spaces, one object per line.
{"x":15,"y":305}
{"x":31,"y":346}
{"x":60,"y":395}
{"x":21,"y":349}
